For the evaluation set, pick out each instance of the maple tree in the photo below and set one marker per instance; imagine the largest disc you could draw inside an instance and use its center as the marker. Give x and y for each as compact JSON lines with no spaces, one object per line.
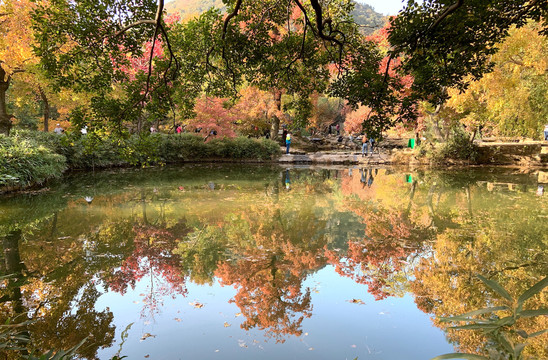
{"x":214,"y":116}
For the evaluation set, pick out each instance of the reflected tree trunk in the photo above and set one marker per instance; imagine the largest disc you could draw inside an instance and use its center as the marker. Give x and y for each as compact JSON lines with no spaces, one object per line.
{"x":53,"y":226}
{"x":144,"y":207}
{"x":13,"y":266}
{"x":469,"y":200}
{"x":411,"y":196}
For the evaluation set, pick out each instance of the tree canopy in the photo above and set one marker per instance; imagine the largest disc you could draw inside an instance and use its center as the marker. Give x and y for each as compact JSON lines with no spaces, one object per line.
{"x":290,"y":47}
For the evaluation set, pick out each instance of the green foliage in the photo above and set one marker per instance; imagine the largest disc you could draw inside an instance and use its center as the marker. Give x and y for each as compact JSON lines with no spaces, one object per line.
{"x":13,"y":337}
{"x":187,"y":147}
{"x":30,"y":157}
{"x":422,"y":30}
{"x":500,"y":331}
{"x":457,"y":147}
{"x":25,"y":161}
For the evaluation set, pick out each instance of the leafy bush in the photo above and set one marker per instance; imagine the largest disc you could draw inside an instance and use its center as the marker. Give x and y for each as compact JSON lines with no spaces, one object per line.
{"x":29,"y":157}
{"x":25,"y":161}
{"x":189,"y":147}
{"x":458,"y":147}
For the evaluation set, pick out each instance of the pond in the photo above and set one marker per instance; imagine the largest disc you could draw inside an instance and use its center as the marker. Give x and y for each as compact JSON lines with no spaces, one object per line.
{"x":246,"y":262}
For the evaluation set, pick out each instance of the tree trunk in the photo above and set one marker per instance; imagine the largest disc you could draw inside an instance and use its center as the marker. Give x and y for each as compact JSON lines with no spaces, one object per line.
{"x":5,"y":118}
{"x":46,"y":108}
{"x":275,"y":126}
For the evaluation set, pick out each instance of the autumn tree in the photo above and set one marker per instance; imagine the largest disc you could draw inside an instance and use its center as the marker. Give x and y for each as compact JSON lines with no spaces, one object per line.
{"x":508,"y":100}
{"x":15,"y":50}
{"x":448,"y":43}
{"x":282,"y":47}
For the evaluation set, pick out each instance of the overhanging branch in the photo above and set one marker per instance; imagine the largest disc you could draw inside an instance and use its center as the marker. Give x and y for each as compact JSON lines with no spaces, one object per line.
{"x":448,"y":11}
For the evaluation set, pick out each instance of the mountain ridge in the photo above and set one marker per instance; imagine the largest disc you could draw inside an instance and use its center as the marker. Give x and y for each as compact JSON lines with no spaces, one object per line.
{"x":364,"y":14}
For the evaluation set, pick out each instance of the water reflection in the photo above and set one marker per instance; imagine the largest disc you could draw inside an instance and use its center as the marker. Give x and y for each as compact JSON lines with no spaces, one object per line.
{"x":425,"y":233}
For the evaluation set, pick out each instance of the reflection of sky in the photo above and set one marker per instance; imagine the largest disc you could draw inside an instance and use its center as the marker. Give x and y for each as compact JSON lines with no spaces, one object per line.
{"x":390,"y":329}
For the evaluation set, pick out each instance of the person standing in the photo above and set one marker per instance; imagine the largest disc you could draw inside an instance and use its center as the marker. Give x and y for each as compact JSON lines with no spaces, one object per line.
{"x":58,"y":129}
{"x":287,"y":142}
{"x":338,"y":127}
{"x":546,"y":132}
{"x":365,"y":145}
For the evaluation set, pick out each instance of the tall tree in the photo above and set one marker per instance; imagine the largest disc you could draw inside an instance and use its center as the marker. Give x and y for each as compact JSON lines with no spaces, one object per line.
{"x":15,"y":50}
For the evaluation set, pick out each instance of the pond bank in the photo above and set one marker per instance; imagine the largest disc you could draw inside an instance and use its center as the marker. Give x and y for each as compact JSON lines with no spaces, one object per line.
{"x":508,"y":154}
{"x":532,"y":155}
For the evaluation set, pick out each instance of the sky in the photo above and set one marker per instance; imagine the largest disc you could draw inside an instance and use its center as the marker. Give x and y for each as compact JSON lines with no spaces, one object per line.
{"x":386,"y":7}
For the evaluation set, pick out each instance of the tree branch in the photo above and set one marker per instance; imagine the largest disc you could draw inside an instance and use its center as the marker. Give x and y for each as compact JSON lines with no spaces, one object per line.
{"x":137,"y":23}
{"x":448,"y":11}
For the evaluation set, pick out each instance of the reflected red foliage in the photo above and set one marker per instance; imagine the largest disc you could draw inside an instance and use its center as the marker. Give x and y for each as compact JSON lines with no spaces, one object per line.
{"x":152,"y":256}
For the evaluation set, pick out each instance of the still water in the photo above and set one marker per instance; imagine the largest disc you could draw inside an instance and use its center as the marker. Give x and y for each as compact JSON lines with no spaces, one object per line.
{"x":249,"y":262}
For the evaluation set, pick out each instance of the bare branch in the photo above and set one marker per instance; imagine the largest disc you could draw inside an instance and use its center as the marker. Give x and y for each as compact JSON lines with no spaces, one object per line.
{"x":135,"y":24}
{"x":225,"y":29}
{"x":448,"y":11}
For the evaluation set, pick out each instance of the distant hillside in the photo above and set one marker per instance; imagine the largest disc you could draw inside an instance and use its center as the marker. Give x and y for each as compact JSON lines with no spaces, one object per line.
{"x":367,"y":17}
{"x":187,"y":8}
{"x":363,"y":13}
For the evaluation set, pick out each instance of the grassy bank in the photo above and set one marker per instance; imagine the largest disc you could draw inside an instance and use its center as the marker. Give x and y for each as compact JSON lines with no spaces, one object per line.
{"x":29,"y":157}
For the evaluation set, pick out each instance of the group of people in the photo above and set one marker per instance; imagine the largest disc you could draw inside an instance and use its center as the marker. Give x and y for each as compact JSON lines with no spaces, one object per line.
{"x":367,"y":145}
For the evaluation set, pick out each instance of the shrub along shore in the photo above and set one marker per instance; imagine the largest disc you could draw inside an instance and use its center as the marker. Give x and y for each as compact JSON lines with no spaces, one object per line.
{"x":29,"y":158}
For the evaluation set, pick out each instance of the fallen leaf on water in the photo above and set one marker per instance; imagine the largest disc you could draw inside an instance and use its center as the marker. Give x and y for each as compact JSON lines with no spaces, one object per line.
{"x":311,"y":348}
{"x":135,"y":302}
{"x":356,"y":301}
{"x":226,"y":324}
{"x":196,"y":304}
{"x":305,"y":334}
{"x":217,"y":350}
{"x":147,"y":356}
{"x":146,"y":336}
{"x":177,"y":319}
{"x":238,"y":314}
{"x":353,"y":346}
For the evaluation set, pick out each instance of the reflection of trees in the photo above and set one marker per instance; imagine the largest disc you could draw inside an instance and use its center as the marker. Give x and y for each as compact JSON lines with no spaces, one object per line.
{"x":380,"y":257}
{"x":273,"y":248}
{"x":151,"y":255}
{"x":502,"y":242}
{"x":35,"y":294}
{"x":58,"y":275}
